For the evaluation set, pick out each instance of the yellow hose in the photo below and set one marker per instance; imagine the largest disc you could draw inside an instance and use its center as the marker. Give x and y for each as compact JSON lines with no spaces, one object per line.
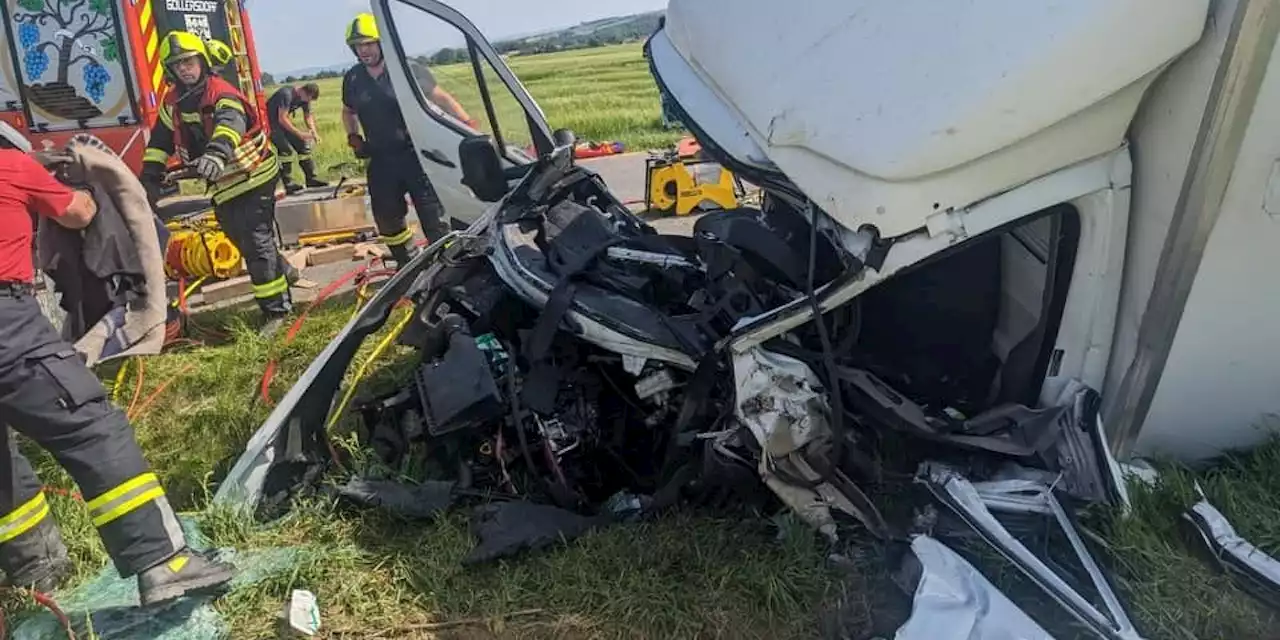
{"x":118,"y":386}
{"x":364,"y":367}
{"x":188,"y":254}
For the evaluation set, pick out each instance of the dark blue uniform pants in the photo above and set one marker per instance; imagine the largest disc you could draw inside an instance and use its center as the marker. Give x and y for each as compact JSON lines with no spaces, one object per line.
{"x":391,"y":176}
{"x":48,"y":395}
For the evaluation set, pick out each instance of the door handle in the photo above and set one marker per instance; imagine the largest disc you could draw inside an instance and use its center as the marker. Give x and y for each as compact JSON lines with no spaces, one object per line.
{"x":438,"y":158}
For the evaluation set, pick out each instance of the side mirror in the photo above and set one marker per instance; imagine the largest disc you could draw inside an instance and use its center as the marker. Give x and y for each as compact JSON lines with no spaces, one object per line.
{"x":564,"y":138}
{"x":482,"y":168}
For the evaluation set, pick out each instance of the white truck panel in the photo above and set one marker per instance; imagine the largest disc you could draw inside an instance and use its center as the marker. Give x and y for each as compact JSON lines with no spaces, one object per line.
{"x":1161,"y":137}
{"x":883,"y":112}
{"x":1221,"y":385}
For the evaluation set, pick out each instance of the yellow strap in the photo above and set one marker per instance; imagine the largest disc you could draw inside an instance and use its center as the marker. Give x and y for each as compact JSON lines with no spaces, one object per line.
{"x":24,"y":518}
{"x":241,"y":183}
{"x":121,"y":489}
{"x":193,"y":118}
{"x":153,"y":154}
{"x":274,"y":288}
{"x":398,"y":239}
{"x":223,"y":130}
{"x":23,"y":511}
{"x":228,"y":103}
{"x":128,"y":506}
{"x":166,"y":118}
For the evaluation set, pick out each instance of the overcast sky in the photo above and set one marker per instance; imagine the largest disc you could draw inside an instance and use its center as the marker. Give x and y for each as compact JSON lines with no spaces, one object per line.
{"x":296,"y":34}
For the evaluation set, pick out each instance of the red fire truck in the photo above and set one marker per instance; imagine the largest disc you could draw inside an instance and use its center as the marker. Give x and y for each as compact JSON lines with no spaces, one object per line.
{"x":93,"y":66}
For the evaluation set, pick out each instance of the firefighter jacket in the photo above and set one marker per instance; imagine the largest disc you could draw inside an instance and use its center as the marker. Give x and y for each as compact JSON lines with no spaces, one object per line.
{"x":217,"y":120}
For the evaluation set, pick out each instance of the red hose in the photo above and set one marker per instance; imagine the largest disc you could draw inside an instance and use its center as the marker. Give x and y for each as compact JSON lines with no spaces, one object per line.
{"x":160,"y":389}
{"x":264,"y":390}
{"x":137,"y":389}
{"x":48,"y":603}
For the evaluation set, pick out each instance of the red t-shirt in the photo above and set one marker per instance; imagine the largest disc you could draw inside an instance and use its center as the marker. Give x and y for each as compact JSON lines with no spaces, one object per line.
{"x":26,"y":189}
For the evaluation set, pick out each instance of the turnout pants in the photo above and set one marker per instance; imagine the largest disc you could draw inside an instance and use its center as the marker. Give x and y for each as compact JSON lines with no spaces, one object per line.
{"x":249,"y":221}
{"x":48,"y":395}
{"x":391,"y":176}
{"x":290,"y":147}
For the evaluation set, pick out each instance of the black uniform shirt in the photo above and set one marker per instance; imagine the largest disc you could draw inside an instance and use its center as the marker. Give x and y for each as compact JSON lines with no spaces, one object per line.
{"x":374,"y":101}
{"x":287,"y":96}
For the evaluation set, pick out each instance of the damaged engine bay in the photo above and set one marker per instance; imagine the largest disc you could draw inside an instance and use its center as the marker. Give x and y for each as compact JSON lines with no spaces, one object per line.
{"x":577,"y":369}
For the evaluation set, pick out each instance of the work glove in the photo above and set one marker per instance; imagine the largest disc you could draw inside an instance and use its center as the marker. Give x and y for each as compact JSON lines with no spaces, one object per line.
{"x":210,"y":167}
{"x":358,"y":145}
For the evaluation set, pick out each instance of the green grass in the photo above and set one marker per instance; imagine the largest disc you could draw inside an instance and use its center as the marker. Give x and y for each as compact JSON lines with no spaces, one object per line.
{"x":601,"y":94}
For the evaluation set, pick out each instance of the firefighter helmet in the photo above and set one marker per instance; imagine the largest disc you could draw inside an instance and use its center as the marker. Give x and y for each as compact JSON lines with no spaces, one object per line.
{"x":219,"y":52}
{"x":180,"y":45}
{"x":362,"y":29}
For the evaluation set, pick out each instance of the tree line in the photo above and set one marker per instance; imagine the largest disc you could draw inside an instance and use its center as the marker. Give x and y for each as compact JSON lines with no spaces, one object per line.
{"x":631,"y":29}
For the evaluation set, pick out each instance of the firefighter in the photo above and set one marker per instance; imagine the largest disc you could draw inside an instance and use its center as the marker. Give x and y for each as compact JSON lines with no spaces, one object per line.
{"x":220,"y":57}
{"x":210,"y":124}
{"x":369,"y":103}
{"x":50,"y":396}
{"x":289,"y":141}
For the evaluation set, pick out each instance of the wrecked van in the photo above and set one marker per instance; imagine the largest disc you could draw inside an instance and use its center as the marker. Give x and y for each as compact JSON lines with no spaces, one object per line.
{"x":979,"y":267}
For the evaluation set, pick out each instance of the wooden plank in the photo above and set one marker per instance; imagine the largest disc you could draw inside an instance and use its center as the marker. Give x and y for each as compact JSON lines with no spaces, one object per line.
{"x":329,"y":255}
{"x":298,"y":259}
{"x":226,"y":290}
{"x":319,"y":237}
{"x":366,"y":250}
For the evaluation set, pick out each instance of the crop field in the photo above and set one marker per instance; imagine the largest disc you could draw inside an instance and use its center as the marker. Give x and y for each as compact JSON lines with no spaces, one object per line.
{"x":693,"y":573}
{"x":602,"y":94}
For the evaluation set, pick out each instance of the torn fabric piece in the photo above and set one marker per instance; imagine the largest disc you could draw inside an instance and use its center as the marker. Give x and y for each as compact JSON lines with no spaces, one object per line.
{"x":954,"y":601}
{"x":411,"y":501}
{"x":505,"y":529}
{"x":138,"y":327}
{"x":1249,"y":567}
{"x":973,"y":504}
{"x":783,"y":404}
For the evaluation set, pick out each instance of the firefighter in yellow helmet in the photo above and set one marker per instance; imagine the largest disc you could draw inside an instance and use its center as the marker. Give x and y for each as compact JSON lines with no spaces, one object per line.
{"x":369,"y":103}
{"x":210,"y":124}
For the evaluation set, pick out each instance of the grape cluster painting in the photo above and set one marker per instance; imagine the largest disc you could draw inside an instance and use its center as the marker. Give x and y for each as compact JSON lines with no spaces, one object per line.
{"x":67,"y":51}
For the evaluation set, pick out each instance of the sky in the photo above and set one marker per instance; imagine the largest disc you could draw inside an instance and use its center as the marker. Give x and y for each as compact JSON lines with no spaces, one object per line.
{"x":297,"y":34}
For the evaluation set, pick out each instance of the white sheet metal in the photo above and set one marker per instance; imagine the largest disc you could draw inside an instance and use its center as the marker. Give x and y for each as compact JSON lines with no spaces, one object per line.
{"x":1217,"y":388}
{"x":954,"y":601}
{"x":974,"y":503}
{"x":1241,"y":551}
{"x":886,"y":112}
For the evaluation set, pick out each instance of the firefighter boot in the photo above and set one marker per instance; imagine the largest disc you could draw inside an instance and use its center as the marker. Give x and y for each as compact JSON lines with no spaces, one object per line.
{"x":36,"y":559}
{"x":286,"y":176}
{"x":403,"y":254}
{"x":272,"y":325}
{"x":309,"y":170}
{"x":187,"y":573}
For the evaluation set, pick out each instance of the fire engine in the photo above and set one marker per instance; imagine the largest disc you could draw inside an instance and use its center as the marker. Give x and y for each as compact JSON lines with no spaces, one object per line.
{"x":93,"y":65}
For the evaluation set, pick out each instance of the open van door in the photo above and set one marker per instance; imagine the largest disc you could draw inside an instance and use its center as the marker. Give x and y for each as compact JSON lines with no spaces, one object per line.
{"x":445,"y":73}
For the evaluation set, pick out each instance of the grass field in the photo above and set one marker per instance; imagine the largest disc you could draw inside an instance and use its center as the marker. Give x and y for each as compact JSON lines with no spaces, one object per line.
{"x":600,"y":94}
{"x":692,"y":574}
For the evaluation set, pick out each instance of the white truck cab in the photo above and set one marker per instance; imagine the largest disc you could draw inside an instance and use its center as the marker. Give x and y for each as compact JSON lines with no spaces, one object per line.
{"x":1089,"y":187}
